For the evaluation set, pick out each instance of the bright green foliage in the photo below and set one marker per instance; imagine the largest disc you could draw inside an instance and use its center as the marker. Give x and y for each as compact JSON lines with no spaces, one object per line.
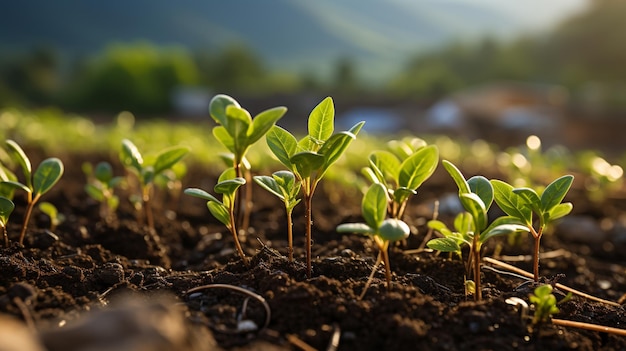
{"x":283,"y":184}
{"x":5,"y":176}
{"x":238,"y":131}
{"x":6,"y":208}
{"x":525,"y":205}
{"x":51,"y":211}
{"x":148,"y":170}
{"x":223,"y":211}
{"x":472,"y":228}
{"x":310,"y":157}
{"x":545,"y":303}
{"x":402,"y":175}
{"x":383,"y":230}
{"x":100,"y":186}
{"x":36,"y":184}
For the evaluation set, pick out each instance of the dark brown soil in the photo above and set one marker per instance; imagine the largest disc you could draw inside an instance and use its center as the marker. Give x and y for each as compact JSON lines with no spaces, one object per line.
{"x":86,"y":261}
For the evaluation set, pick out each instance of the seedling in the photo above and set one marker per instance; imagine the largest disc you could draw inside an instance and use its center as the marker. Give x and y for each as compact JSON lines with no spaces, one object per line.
{"x":36,"y":184}
{"x":545,"y":303}
{"x":523,"y":203}
{"x":100,"y":187}
{"x":237,"y":131}
{"x":402,"y":176}
{"x":283,"y":184}
{"x":310,"y":158}
{"x":146,"y":172}
{"x":476,"y":195}
{"x":51,"y":211}
{"x":6,"y":208}
{"x":382,"y":230}
{"x":224,"y":210}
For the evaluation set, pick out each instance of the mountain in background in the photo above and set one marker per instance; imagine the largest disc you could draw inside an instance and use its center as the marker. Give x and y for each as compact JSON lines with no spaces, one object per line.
{"x":296,"y":35}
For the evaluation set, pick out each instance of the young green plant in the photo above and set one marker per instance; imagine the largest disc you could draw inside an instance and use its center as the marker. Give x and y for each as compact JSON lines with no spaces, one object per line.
{"x":476,"y":195}
{"x":6,"y":208}
{"x":53,"y":213}
{"x":545,"y":303}
{"x":402,"y":175}
{"x":100,"y":186}
{"x":237,"y":131}
{"x":35,"y":184}
{"x":309,"y":158}
{"x":148,"y":171}
{"x":382,"y":229}
{"x":224,"y":211}
{"x":524,"y":203}
{"x":283,"y":184}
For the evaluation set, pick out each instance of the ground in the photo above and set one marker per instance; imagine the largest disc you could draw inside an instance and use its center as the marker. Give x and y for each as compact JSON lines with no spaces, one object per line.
{"x":89,"y":264}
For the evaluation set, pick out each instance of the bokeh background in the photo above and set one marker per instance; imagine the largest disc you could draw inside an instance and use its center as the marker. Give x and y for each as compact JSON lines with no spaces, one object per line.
{"x":491,"y":69}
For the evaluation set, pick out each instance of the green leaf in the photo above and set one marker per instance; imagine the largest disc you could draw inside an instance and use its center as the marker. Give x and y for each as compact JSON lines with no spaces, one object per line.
{"x":306,"y":162}
{"x":169,"y":157}
{"x":285,"y":180}
{"x":6,"y":208}
{"x":387,"y":163}
{"x":444,"y":245}
{"x":49,"y":209}
{"x":393,"y":229}
{"x":262,"y":123}
{"x":47,"y":174}
{"x":374,"y":205}
{"x":196,"y":192}
{"x":373,"y":174}
{"x":321,"y":120}
{"x":227,"y":174}
{"x":531,"y":198}
{"x":418,"y":167}
{"x":555,"y":192}
{"x":475,"y":206}
{"x":464,"y":223}
{"x":402,"y":194}
{"x":230,"y":186}
{"x":503,"y":229}
{"x":511,"y":203}
{"x":219,"y":211}
{"x":359,"y":228}
{"x":130,"y":156}
{"x":94,"y":192}
{"x":440,"y":227}
{"x":218,"y":105}
{"x":221,"y":134}
{"x":238,"y":124}
{"x":457,"y":176}
{"x":270,"y":184}
{"x":103,"y":172}
{"x":17,"y":185}
{"x":282,"y":144}
{"x":559,"y":211}
{"x":20,"y":157}
{"x":480,"y":186}
{"x":336,"y":145}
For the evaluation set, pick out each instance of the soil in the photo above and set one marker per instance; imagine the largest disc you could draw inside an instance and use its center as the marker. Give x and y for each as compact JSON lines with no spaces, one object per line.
{"x":62,"y":275}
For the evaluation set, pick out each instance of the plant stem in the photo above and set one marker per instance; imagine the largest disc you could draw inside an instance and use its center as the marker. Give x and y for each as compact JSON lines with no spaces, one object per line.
{"x":383,"y":250}
{"x":476,"y":265}
{"x":308,"y":196}
{"x":147,"y":206}
{"x":537,"y":241}
{"x":6,"y":237}
{"x":29,"y":211}
{"x":290,"y":235}
{"x":233,"y":230}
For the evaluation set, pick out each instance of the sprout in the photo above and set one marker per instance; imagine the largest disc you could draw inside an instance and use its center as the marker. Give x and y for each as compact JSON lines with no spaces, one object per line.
{"x":224,"y":210}
{"x":6,"y":208}
{"x":51,"y":211}
{"x":35,"y":184}
{"x":309,"y":158}
{"x":383,"y":230}
{"x":100,"y":187}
